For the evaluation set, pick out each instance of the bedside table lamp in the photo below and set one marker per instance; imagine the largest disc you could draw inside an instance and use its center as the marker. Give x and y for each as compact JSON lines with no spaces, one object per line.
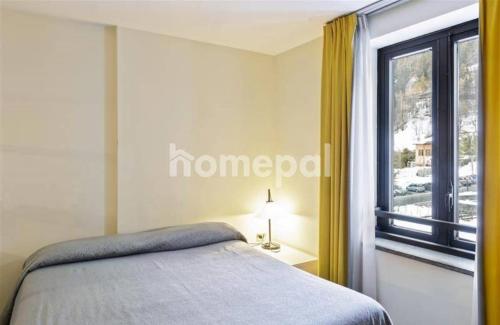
{"x":269,"y":211}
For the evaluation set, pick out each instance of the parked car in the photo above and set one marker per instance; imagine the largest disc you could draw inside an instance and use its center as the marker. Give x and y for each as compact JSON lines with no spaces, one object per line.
{"x":416,"y":188}
{"x":398,"y":191}
{"x":473,"y":179}
{"x":466,"y":181}
{"x":428,"y":186}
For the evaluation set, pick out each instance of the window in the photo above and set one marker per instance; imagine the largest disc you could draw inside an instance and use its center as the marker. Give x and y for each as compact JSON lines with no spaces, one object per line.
{"x":427,"y":140}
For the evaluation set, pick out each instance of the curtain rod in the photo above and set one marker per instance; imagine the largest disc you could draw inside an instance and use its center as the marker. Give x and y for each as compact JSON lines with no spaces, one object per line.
{"x":373,"y":8}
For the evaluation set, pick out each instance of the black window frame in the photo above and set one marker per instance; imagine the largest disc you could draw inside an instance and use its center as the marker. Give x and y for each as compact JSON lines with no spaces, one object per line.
{"x":444,"y":229}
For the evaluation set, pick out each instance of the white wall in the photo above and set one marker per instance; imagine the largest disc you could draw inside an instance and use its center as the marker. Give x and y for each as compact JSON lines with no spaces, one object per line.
{"x":411,"y":13}
{"x":416,"y":293}
{"x":58,"y":152}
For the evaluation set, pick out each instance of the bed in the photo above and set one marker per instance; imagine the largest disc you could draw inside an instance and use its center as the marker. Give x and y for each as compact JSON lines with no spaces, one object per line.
{"x":197,"y":274}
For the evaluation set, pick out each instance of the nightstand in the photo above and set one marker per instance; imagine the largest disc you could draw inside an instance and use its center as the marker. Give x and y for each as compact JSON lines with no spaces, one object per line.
{"x":294,"y":257}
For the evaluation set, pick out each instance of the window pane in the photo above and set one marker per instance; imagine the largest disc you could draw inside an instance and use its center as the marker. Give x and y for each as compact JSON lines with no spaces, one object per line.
{"x":411,"y":109}
{"x":466,"y":128}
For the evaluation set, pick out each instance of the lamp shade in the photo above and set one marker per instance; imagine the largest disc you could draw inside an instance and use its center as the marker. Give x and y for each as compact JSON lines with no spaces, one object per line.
{"x":269,"y":210}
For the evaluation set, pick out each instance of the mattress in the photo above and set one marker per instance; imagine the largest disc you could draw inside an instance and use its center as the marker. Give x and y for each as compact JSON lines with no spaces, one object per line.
{"x":186,"y":275}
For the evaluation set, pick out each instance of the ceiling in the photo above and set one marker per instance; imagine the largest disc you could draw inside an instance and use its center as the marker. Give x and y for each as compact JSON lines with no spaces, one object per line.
{"x":269,"y":27}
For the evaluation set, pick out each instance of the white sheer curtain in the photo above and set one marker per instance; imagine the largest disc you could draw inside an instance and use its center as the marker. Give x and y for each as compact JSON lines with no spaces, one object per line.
{"x":362,"y":270}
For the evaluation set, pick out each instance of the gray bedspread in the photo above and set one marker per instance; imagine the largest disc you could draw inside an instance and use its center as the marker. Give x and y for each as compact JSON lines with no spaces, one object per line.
{"x":198,"y":274}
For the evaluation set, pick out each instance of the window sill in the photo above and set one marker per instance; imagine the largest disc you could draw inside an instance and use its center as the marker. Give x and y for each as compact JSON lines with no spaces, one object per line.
{"x":450,"y":262}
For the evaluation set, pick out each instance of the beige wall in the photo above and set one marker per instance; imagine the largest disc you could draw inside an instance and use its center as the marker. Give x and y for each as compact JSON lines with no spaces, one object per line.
{"x":208,"y":100}
{"x":214,"y":100}
{"x":297,"y":134}
{"x":70,"y":89}
{"x":58,"y":135}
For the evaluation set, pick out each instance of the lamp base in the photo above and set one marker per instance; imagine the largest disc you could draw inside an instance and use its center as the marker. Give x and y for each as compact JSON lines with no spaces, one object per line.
{"x":271,"y":246}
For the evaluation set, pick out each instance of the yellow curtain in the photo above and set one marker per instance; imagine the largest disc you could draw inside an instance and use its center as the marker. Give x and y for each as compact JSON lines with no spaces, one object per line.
{"x":336,"y":94}
{"x":489,"y":18}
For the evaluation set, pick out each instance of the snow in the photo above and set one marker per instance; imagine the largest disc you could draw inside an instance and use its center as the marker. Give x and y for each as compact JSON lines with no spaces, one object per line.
{"x":467,"y":202}
{"x":413,"y":226}
{"x":408,"y":175}
{"x":466,"y":235}
{"x":468,"y":170}
{"x":415,"y":131}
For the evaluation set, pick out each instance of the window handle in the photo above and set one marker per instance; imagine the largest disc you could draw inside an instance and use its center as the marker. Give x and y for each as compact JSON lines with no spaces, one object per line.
{"x":451,"y":197}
